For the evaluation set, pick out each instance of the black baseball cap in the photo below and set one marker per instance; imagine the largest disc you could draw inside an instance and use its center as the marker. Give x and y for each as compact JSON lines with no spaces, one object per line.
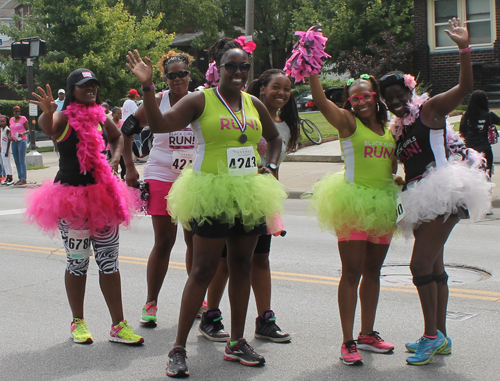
{"x":80,"y":76}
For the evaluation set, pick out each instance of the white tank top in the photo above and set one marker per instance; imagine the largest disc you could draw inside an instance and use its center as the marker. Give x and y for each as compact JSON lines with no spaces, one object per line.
{"x":171,"y":151}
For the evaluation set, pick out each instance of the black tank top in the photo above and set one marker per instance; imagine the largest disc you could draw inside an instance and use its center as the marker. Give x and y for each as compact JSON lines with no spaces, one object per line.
{"x":420,"y":146}
{"x":69,"y":166}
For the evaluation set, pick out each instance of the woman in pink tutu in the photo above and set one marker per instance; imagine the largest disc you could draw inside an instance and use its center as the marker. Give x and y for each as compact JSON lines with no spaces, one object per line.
{"x":85,"y":201}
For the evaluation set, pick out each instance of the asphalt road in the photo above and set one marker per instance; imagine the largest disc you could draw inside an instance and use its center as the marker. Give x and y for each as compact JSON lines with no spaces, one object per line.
{"x":35,"y":318}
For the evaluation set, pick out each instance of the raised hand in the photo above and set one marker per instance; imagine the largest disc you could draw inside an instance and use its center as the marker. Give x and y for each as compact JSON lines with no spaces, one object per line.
{"x":143,"y":70}
{"x":458,"y":33}
{"x":45,"y":100}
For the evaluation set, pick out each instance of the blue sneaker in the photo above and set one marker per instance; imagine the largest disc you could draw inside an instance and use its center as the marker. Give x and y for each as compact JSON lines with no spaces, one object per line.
{"x":426,"y":349}
{"x":412,"y":347}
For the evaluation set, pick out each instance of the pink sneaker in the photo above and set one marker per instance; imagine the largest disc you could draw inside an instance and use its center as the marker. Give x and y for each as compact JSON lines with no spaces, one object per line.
{"x":349,"y":354}
{"x":373,"y":342}
{"x":203,"y":308}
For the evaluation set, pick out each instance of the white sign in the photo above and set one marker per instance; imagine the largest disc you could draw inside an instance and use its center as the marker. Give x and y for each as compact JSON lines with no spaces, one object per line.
{"x":33,"y":110}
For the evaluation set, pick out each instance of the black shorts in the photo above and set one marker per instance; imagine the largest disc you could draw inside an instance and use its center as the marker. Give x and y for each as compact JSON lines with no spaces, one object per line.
{"x":214,"y":229}
{"x":263,"y":246}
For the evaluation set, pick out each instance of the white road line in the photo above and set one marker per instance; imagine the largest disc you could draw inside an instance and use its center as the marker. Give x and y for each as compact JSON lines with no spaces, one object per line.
{"x":11,"y":211}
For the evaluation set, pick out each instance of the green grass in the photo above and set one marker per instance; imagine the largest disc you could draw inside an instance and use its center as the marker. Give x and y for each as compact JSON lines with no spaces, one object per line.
{"x":326,"y":129}
{"x":42,"y":149}
{"x":37,"y":167}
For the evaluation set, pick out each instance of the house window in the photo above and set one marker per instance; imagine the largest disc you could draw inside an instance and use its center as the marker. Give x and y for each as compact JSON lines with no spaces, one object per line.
{"x":477,"y":14}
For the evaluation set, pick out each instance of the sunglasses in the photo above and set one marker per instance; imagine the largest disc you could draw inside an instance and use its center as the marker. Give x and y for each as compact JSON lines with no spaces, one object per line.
{"x":232,"y":67}
{"x":180,"y":74}
{"x":367,"y":97}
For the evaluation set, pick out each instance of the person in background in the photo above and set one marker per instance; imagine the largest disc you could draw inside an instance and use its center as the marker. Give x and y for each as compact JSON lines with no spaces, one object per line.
{"x":475,"y":124}
{"x":129,"y":108}
{"x":19,"y":136}
{"x":116,"y":117}
{"x":107,"y":109}
{"x":61,"y":95}
{"x":5,"y":151}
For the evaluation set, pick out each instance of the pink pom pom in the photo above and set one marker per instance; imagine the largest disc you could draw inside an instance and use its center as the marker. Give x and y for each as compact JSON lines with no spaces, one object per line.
{"x":410,"y":81}
{"x":307,"y":55}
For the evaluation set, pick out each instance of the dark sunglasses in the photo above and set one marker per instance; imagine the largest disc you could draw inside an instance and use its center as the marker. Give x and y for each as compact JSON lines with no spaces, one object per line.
{"x":180,"y":74}
{"x":232,"y":67}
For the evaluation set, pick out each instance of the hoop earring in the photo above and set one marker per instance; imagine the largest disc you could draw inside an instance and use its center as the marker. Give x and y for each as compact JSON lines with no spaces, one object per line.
{"x":378,"y":107}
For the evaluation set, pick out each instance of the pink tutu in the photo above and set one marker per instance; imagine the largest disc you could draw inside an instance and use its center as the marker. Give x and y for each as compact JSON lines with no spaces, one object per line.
{"x":90,"y":206}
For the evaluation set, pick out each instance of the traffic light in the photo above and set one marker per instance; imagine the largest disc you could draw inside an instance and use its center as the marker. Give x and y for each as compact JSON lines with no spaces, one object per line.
{"x":28,"y":48}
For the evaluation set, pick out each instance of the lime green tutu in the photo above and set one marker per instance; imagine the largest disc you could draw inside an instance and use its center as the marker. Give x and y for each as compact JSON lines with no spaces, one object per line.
{"x":341,"y":207}
{"x":202,"y":196}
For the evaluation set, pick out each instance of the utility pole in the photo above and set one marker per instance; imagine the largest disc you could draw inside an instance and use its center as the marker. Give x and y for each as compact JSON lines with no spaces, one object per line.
{"x":249,"y":27}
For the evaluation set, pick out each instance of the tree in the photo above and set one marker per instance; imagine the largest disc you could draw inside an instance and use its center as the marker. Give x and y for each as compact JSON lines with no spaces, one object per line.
{"x":359,"y":29}
{"x":88,"y":33}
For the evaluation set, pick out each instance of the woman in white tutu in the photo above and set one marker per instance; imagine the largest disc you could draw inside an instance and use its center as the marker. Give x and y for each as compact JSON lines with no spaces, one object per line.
{"x":441,"y":187}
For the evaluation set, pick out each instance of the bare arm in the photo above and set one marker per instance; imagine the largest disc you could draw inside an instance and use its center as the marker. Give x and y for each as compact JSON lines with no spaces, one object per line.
{"x":115,"y":143}
{"x":178,"y":117}
{"x":270,"y":133}
{"x":435,"y":109}
{"x":51,"y":122}
{"x":341,"y":119}
{"x":140,"y":114}
{"x":131,"y":176}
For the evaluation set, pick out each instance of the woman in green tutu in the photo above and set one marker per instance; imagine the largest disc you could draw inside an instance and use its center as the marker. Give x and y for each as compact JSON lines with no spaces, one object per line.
{"x":359,"y":205}
{"x":222,"y":198}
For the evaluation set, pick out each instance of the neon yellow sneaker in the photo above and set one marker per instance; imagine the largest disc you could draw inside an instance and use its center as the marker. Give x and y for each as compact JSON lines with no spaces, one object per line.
{"x":80,"y":332}
{"x":123,"y":333}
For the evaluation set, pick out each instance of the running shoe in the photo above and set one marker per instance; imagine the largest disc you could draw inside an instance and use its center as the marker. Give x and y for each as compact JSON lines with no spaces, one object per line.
{"x":203,"y":309}
{"x":148,"y":318}
{"x":349,"y":354}
{"x":176,"y":365}
{"x":412,"y":347}
{"x":373,"y":342}
{"x":426,"y":349}
{"x":2,"y":179}
{"x":9,"y":182}
{"x":266,"y":328}
{"x":80,"y":332}
{"x":123,"y":333}
{"x":241,"y":351}
{"x":211,"y":326}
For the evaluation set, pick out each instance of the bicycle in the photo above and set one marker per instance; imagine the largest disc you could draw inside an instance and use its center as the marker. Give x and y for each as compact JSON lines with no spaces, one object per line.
{"x":311,"y":131}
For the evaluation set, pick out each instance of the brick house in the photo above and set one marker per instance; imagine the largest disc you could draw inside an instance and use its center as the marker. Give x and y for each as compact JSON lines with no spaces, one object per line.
{"x":437,"y":58}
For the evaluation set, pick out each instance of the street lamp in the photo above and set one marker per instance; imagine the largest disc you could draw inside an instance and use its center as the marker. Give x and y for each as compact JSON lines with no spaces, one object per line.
{"x":29,"y":49}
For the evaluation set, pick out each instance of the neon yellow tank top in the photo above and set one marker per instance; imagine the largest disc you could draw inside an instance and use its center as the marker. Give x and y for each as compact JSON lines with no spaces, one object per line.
{"x":216,"y":131}
{"x":368,"y":157}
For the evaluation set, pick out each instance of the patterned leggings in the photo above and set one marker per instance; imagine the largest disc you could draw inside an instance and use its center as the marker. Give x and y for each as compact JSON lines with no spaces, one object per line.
{"x":105,"y":245}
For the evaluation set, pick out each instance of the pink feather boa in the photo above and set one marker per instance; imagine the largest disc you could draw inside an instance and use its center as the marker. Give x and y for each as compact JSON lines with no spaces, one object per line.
{"x":96,"y":206}
{"x":307,"y":56}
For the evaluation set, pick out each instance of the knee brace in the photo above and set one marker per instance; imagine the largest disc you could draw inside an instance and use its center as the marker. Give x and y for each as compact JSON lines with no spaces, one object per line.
{"x":419,"y":281}
{"x":443,"y":278}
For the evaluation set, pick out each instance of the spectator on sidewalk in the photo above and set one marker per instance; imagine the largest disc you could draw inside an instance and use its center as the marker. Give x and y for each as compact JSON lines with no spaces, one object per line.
{"x":61,"y":94}
{"x":5,"y":152}
{"x":19,"y":131}
{"x":129,"y":108}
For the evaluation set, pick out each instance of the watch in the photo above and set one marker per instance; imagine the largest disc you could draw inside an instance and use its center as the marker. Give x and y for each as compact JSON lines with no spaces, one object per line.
{"x":149,"y":88}
{"x":273,"y":167}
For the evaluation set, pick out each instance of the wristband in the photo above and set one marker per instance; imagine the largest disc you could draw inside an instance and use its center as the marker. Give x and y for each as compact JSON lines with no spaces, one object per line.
{"x":149,"y":88}
{"x":467,"y":49}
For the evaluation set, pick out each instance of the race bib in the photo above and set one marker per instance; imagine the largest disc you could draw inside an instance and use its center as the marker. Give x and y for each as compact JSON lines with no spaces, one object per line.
{"x":78,"y":245}
{"x":241,"y":161}
{"x":180,"y":159}
{"x":400,"y":210}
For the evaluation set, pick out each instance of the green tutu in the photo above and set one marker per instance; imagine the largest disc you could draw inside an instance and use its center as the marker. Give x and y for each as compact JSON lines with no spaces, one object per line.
{"x":202,"y":196}
{"x":341,"y":207}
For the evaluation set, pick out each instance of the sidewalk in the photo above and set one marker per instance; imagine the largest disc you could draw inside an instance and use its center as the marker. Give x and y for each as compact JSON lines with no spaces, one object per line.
{"x":298,"y":173}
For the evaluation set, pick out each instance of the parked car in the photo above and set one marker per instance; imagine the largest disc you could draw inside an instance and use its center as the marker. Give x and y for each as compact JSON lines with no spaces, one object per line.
{"x":305,"y":101}
{"x":335,"y":94}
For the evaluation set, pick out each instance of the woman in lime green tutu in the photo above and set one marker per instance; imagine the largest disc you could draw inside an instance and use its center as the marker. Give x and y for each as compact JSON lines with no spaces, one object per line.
{"x":359,"y":205}
{"x":222,"y":198}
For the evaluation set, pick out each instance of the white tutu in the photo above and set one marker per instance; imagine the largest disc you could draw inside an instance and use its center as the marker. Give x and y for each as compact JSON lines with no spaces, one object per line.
{"x":443,"y":191}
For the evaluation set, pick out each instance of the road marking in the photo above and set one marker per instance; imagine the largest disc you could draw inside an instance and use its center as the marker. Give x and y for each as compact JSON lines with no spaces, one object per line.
{"x":11,"y":211}
{"x":279,"y":275}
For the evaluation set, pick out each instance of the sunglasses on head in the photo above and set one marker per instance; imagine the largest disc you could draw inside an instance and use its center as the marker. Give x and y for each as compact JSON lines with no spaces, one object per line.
{"x":180,"y":74}
{"x":232,"y":67}
{"x":367,"y":97}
